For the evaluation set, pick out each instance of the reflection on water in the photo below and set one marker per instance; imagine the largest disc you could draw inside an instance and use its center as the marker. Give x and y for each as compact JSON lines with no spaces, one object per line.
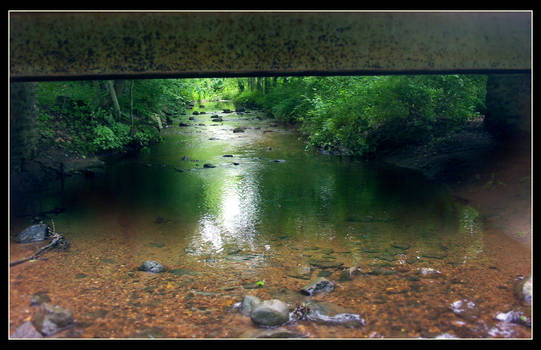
{"x":268,"y":209}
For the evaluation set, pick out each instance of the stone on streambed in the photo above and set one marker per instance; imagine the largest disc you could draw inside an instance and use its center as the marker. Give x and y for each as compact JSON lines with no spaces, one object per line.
{"x":39,"y":298}
{"x":523,"y":290}
{"x":332,"y":314}
{"x":320,"y":285}
{"x":270,"y":313}
{"x":466,"y":309}
{"x":151,"y":266}
{"x":249,"y":303}
{"x":26,"y":330}
{"x":34,"y":233}
{"x":52,"y":319}
{"x":513,"y":317}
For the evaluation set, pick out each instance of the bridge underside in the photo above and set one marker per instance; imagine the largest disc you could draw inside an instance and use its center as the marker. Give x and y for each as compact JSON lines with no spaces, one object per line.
{"x":132,"y":45}
{"x":100,"y":45}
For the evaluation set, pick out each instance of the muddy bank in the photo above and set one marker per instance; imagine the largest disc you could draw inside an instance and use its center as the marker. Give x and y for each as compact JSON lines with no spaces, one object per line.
{"x":51,"y":166}
{"x":491,"y":175}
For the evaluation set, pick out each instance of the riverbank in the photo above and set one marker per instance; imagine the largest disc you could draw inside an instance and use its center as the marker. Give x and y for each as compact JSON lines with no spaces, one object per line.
{"x":491,"y":176}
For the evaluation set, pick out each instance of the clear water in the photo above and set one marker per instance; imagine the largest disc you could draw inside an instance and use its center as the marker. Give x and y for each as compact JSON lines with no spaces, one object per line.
{"x":264,"y":214}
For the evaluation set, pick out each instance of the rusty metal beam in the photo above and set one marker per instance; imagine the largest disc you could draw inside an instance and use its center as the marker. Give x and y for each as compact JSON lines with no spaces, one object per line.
{"x":98,"y":45}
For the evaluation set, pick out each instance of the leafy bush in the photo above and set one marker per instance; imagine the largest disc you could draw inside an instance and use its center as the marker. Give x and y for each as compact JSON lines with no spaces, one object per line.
{"x":362,"y":115}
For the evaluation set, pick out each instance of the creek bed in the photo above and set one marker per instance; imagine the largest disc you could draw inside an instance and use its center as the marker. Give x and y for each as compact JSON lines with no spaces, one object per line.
{"x":266,"y":210}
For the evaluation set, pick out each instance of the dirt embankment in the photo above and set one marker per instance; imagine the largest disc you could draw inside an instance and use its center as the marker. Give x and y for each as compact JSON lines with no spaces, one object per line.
{"x":493,"y":176}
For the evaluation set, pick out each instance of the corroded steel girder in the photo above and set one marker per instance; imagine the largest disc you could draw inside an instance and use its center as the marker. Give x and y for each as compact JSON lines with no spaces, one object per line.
{"x":98,"y":45}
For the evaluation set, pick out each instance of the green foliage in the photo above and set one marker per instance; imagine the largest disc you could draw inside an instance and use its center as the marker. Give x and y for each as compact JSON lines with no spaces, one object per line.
{"x":77,"y":116}
{"x":362,"y":115}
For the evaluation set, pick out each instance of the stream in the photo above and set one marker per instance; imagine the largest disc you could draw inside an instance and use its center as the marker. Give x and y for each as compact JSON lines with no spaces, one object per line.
{"x":264,"y":217}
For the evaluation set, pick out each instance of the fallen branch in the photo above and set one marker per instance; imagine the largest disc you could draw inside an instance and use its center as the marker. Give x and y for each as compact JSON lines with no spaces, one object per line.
{"x":57,"y":241}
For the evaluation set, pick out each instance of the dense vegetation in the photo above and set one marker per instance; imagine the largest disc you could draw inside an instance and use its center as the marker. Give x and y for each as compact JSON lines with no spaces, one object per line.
{"x":96,"y":117}
{"x":351,"y":115}
{"x":363,"y":115}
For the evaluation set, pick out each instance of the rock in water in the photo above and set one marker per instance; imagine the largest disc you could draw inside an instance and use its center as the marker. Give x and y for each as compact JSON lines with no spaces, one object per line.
{"x":51,"y":319}
{"x":332,"y":314}
{"x":34,"y":233}
{"x":523,"y":290}
{"x":465,"y":309}
{"x":270,"y":313}
{"x":26,"y":330}
{"x":249,"y":303}
{"x":318,"y":286}
{"x":151,"y":266}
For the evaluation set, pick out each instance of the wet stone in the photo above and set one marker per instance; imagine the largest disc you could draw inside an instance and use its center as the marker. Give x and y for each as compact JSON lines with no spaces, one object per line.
{"x":270,"y":313}
{"x":39,"y":298}
{"x":466,"y":309}
{"x":331,"y":314}
{"x":320,"y":285}
{"x":34,"y":233}
{"x":249,"y":303}
{"x":26,"y":330}
{"x":428,"y":272}
{"x":514,"y":317}
{"x":523,"y":290}
{"x":51,"y":319}
{"x":151,"y":266}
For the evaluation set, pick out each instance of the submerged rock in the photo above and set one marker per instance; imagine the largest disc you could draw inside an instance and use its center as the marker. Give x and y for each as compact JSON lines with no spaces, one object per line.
{"x":34,"y":233}
{"x":320,"y":285}
{"x":428,"y":272}
{"x":523,"y":290}
{"x":332,"y":314}
{"x":465,"y":309}
{"x":26,"y":330}
{"x":249,"y":303}
{"x":151,"y":266}
{"x":39,"y":298}
{"x":270,"y":313}
{"x":513,"y":317}
{"x":207,"y":165}
{"x":52,"y":319}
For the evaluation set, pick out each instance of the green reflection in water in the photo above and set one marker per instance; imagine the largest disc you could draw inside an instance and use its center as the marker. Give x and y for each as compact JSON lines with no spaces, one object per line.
{"x":308,"y":198}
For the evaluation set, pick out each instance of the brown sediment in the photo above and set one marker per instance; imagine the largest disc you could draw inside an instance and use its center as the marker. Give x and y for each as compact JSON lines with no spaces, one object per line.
{"x":500,"y":187}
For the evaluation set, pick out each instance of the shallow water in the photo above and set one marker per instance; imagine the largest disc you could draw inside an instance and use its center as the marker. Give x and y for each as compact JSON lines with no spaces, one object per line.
{"x":274,"y":213}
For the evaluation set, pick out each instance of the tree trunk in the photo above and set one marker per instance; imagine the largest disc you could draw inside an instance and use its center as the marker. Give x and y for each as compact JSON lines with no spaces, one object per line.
{"x":112,"y":92}
{"x":132,"y":129}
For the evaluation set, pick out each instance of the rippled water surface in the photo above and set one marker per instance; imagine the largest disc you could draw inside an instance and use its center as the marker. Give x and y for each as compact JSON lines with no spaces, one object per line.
{"x":270,"y":212}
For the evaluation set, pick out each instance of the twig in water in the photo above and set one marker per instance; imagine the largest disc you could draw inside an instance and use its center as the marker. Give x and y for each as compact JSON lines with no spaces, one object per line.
{"x":57,"y":240}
